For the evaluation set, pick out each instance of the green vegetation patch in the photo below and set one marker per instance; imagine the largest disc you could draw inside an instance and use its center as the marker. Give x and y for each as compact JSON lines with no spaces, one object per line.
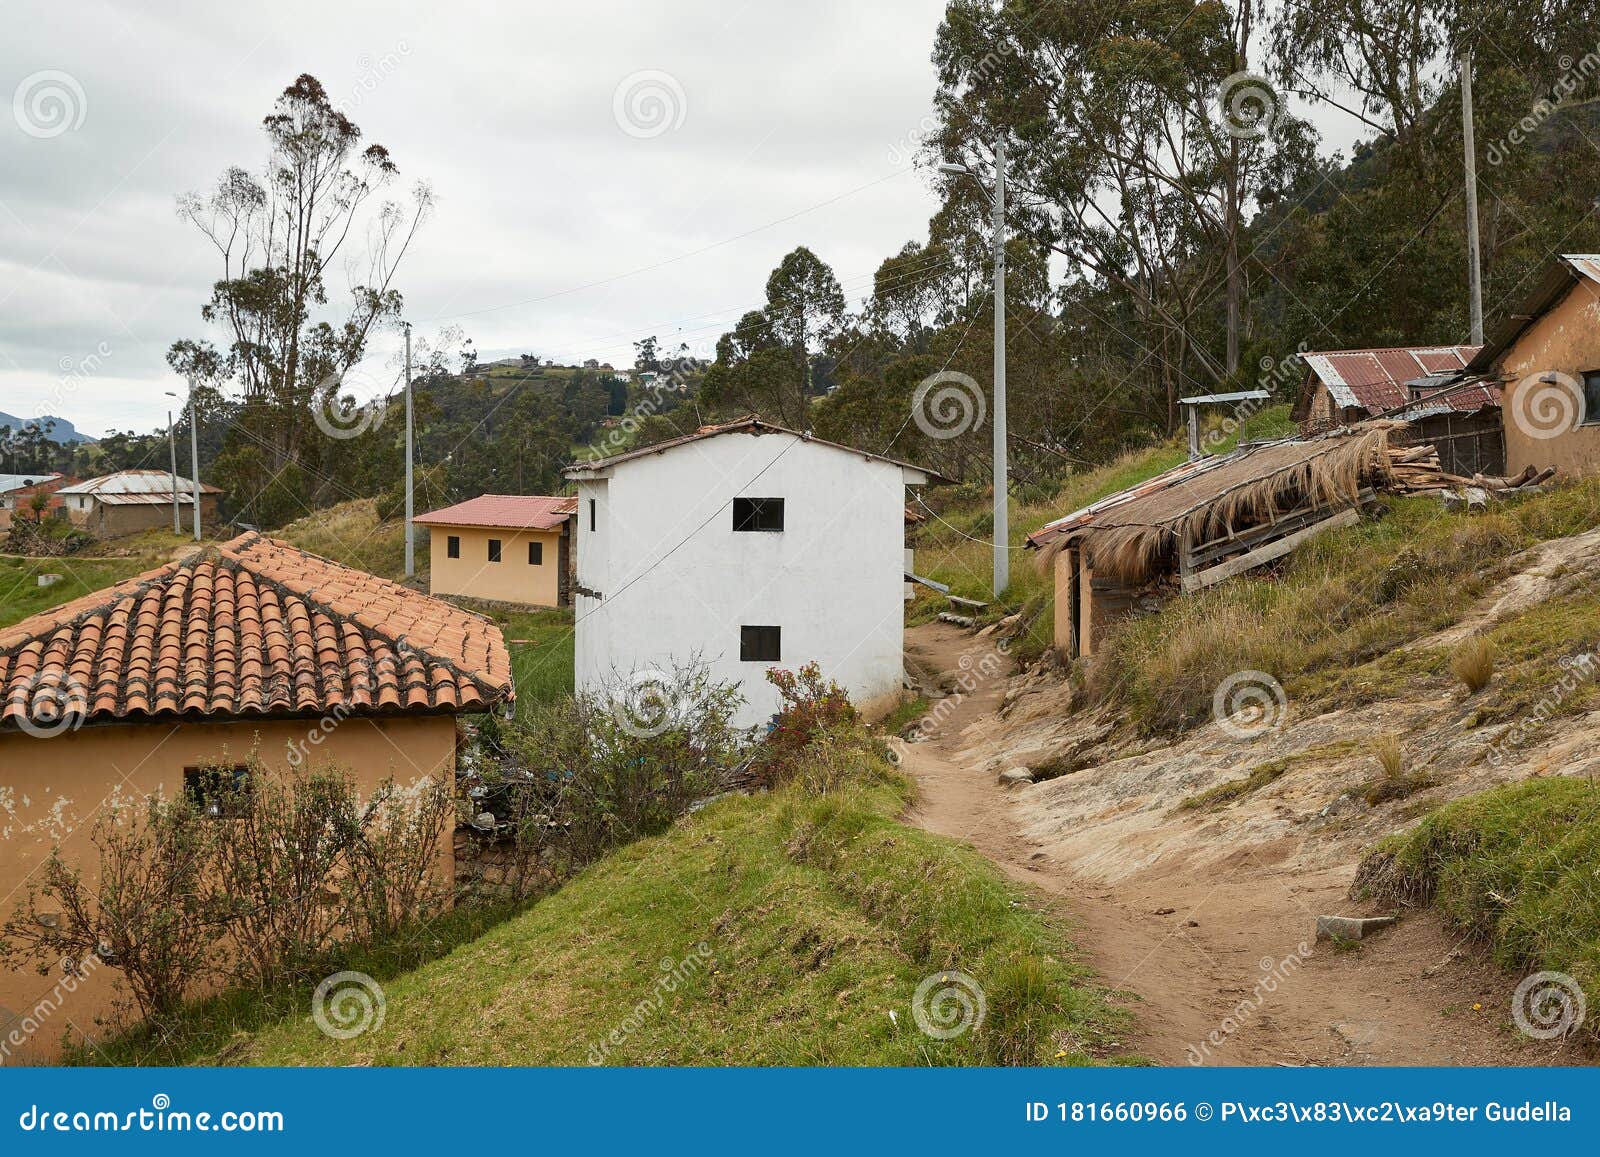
{"x":789,"y":928}
{"x":1514,"y":867}
{"x":21,"y":595}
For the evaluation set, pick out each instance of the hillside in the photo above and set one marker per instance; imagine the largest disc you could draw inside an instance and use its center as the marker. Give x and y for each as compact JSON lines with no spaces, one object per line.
{"x":789,"y":928}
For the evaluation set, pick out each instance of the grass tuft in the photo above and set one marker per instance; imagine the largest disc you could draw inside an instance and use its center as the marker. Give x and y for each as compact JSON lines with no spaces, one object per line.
{"x":1473,"y":663}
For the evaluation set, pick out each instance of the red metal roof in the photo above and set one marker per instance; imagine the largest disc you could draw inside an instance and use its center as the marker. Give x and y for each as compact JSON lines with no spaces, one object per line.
{"x":254,"y":627}
{"x":511,"y":511}
{"x":1375,"y":379}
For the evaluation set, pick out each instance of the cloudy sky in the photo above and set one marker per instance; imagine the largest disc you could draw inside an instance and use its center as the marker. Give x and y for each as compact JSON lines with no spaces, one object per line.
{"x":566,"y":224}
{"x":546,"y":206}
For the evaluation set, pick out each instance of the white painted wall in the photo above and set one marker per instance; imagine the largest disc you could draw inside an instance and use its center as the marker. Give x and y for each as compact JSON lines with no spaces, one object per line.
{"x":677,"y":581}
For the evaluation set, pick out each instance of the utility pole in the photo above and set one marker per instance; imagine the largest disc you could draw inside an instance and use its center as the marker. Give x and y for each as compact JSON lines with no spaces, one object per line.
{"x":194,"y":458}
{"x":1002,"y":530}
{"x":172,"y":445}
{"x":411,"y":546}
{"x":1474,"y":258}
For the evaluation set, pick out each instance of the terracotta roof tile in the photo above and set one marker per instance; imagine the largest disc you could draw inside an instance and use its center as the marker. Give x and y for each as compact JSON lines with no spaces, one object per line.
{"x":252,"y":627}
{"x":512,"y":511}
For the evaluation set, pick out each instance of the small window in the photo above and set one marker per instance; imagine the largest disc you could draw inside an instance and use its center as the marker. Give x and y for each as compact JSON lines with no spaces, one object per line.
{"x":494,"y":550}
{"x":1591,"y":398}
{"x":758,"y":514}
{"x":452,"y":546}
{"x":760,"y":644}
{"x":220,"y":792}
{"x":591,"y":514}
{"x":536,"y":554}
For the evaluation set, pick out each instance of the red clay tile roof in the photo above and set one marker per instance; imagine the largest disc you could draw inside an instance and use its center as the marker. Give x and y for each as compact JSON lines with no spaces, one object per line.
{"x":512,"y":511}
{"x":251,"y":628}
{"x":1375,"y":379}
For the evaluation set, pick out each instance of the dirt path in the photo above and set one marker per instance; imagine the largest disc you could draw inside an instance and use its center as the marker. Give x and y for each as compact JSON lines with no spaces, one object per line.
{"x":1219,"y":965}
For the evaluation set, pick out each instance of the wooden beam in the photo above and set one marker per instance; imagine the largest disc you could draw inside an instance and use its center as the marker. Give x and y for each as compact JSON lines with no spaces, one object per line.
{"x":1265,"y":554}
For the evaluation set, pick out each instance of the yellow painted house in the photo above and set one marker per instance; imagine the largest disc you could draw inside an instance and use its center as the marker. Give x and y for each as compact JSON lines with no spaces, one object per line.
{"x":505,"y":548}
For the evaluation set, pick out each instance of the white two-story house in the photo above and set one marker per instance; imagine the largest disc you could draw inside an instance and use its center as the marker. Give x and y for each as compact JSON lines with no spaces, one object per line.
{"x":744,"y":546}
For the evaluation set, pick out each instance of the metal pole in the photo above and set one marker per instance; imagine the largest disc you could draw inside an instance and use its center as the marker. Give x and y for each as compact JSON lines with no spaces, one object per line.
{"x":172,"y":445}
{"x":194,"y":460}
{"x":411,"y":546}
{"x":1474,"y":261}
{"x":1002,"y":530}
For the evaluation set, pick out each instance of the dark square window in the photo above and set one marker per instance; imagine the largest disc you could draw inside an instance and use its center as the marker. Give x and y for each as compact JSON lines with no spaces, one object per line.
{"x":494,"y":550}
{"x":758,"y":514}
{"x":591,"y":514}
{"x":220,"y":792}
{"x":1591,"y":397}
{"x":760,"y":644}
{"x":452,"y":546}
{"x":536,"y":554}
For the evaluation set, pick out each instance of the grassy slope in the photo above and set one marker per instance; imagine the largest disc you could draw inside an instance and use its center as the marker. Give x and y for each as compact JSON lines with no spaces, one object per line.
{"x":1515,"y":867}
{"x":1327,"y":626}
{"x":350,"y":534}
{"x":820,"y":915}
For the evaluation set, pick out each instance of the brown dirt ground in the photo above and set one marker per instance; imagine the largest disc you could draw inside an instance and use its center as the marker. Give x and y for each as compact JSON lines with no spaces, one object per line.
{"x":1193,"y":945}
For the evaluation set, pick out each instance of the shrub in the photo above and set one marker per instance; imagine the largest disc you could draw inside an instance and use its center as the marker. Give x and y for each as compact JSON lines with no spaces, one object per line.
{"x":1473,"y":663}
{"x":811,"y":706}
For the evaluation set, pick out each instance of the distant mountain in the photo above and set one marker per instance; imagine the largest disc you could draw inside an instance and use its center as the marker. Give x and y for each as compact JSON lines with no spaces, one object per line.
{"x":63,"y":431}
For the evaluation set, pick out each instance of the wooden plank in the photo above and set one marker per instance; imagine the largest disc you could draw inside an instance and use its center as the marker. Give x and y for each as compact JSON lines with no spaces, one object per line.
{"x":1265,"y":554}
{"x":1208,"y":552}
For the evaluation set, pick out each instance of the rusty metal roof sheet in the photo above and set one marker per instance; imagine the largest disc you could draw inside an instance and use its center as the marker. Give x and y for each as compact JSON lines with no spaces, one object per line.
{"x":137,"y":487}
{"x":1375,"y":380}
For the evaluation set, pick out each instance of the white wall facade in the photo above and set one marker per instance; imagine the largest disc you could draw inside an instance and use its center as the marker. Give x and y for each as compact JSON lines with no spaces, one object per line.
{"x":676,"y":581}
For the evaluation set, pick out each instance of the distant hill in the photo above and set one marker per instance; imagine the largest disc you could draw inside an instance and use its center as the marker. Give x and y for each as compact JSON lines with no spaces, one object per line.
{"x":63,"y":432}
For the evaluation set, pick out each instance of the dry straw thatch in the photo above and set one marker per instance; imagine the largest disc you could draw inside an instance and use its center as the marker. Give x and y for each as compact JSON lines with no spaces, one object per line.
{"x":1133,"y":541}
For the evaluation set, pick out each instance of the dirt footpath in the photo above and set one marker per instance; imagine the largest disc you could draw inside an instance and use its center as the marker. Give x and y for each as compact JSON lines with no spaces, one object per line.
{"x":1213,"y":949}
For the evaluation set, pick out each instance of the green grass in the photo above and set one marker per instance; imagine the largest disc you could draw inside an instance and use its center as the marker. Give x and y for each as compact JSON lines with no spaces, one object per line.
{"x":541,"y":646}
{"x":1328,"y":624}
{"x":350,"y":534}
{"x":21,"y":595}
{"x":1514,"y":867}
{"x":787,"y":928}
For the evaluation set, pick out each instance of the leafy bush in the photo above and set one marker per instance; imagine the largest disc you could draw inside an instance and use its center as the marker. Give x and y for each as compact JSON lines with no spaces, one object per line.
{"x":811,"y":706}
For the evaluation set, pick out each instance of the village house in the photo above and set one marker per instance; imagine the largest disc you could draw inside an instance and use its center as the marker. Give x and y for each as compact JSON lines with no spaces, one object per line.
{"x":1207,"y":520}
{"x":744,"y":546}
{"x":1344,"y":387}
{"x":133,"y":500}
{"x":21,"y":491}
{"x":506,"y":548}
{"x":253,"y":648}
{"x":1546,"y":358}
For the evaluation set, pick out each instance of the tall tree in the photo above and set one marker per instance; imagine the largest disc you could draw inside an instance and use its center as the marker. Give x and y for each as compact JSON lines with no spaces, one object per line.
{"x":805,"y":306}
{"x":289,"y":341}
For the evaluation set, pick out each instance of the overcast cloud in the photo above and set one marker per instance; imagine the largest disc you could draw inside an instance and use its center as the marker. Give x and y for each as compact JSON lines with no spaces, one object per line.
{"x":508,"y":110}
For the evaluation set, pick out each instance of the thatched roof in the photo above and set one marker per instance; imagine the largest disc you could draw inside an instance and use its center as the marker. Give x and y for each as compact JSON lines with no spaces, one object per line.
{"x":1133,"y":536}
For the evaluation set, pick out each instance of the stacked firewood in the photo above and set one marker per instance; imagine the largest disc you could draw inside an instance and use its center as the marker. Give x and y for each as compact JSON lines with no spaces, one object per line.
{"x":1416,"y":469}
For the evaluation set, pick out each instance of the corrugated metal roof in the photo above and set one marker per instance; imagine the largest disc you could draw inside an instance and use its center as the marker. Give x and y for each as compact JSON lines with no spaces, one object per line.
{"x":511,"y":511}
{"x":1375,"y":379}
{"x":10,"y":482}
{"x":137,"y":488}
{"x":1557,"y":281}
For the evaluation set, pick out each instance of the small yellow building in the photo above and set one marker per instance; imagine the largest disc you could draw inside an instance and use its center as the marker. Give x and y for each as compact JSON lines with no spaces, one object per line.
{"x":1546,"y":357}
{"x":251,"y":651}
{"x":505,"y":548}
